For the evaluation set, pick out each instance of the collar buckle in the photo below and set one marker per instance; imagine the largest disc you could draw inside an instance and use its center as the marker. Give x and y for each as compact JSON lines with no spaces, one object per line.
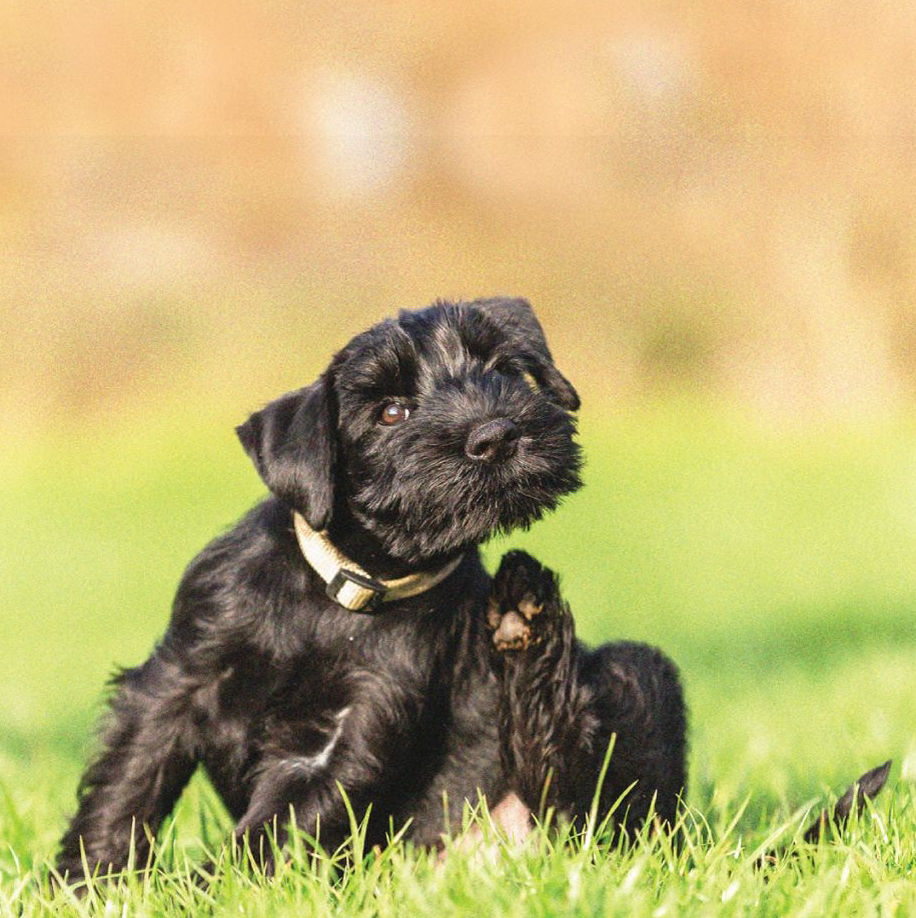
{"x":356,"y":592}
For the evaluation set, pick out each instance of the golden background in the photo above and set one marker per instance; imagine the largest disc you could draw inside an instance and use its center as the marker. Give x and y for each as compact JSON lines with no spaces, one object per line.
{"x":202,"y":201}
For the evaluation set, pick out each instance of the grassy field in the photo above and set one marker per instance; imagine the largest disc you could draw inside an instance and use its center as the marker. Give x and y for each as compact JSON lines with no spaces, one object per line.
{"x":778,"y":569}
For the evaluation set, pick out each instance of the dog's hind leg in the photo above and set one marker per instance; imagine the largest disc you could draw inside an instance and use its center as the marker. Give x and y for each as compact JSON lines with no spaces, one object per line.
{"x":132,"y":785}
{"x":562,"y":706}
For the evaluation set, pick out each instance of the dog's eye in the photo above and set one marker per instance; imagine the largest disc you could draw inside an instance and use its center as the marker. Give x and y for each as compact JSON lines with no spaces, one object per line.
{"x":394,"y":413}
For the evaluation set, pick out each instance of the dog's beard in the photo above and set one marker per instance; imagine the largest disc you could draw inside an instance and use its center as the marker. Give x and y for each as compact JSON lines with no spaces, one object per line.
{"x":428,"y":499}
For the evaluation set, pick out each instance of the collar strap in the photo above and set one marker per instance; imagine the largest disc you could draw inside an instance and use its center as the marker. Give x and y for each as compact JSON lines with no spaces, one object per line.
{"x":351,"y":586}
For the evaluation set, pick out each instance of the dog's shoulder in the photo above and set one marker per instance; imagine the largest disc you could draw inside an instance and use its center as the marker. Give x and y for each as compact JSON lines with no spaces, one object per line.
{"x":233,"y":579}
{"x":262,"y":537}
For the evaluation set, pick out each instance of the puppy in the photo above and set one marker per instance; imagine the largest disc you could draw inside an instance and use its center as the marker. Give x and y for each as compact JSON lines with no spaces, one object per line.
{"x":345,"y":634}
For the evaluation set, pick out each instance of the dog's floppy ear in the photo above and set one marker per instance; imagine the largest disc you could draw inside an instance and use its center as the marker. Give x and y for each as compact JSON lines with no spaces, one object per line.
{"x":293,"y":445}
{"x":517,"y":320}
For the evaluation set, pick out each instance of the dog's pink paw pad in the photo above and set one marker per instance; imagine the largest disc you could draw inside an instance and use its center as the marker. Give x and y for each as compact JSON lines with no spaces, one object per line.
{"x":513,"y":633}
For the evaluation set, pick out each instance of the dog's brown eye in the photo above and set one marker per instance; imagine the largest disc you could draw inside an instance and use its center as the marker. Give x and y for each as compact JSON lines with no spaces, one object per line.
{"x":393,"y":414}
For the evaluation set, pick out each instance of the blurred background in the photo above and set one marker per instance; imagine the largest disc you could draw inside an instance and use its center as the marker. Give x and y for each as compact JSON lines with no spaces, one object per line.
{"x":722,"y":194}
{"x":712,"y":207}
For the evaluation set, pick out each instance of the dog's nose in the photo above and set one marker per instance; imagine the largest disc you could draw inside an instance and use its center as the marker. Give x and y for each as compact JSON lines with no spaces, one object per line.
{"x":492,"y":441}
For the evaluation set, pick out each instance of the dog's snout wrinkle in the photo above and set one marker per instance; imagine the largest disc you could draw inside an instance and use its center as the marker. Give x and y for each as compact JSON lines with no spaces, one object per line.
{"x":492,"y":440}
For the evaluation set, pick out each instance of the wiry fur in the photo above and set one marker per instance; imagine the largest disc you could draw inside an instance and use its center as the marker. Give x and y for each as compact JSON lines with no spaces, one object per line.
{"x":282,"y":695}
{"x":563,"y":708}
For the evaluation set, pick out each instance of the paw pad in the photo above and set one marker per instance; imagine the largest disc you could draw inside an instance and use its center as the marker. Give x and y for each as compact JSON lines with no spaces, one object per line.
{"x":513,"y":633}
{"x":521,"y":589}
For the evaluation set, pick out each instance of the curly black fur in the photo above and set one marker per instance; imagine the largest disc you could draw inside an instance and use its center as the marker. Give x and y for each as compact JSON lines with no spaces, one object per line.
{"x":282,"y":695}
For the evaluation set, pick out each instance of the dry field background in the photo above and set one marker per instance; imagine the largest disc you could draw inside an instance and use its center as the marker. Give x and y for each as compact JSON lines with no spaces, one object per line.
{"x":713,"y":194}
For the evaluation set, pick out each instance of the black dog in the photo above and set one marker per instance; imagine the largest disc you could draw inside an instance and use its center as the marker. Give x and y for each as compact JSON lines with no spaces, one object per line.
{"x":388,"y":663}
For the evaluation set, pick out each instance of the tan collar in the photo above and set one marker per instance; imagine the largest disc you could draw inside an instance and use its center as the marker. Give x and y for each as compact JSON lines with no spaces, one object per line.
{"x":350,"y":585}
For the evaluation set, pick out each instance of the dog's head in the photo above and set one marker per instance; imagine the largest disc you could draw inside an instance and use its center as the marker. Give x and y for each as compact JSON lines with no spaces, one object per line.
{"x":432,"y":431}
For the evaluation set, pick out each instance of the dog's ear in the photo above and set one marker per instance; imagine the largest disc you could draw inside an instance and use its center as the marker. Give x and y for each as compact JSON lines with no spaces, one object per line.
{"x":293,"y":445}
{"x":517,"y":320}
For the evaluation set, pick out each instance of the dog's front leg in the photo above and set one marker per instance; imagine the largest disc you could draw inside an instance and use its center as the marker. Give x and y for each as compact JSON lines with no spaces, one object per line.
{"x":315,"y":775}
{"x":314,"y":804}
{"x":146,"y":760}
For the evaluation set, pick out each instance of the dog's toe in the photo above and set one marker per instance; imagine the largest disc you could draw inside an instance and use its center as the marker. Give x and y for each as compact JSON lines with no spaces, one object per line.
{"x":494,"y":612}
{"x":524,"y":584}
{"x":529,"y":606}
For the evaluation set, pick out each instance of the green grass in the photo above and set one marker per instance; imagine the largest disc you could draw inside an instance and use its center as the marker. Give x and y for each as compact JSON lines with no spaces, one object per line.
{"x":778,"y":569}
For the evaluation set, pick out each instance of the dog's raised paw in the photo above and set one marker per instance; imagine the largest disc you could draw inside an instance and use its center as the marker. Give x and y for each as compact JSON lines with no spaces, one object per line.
{"x":522,"y":590}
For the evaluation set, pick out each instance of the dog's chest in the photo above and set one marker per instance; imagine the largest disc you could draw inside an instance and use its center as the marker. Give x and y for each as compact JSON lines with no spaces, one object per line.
{"x":343,"y":660}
